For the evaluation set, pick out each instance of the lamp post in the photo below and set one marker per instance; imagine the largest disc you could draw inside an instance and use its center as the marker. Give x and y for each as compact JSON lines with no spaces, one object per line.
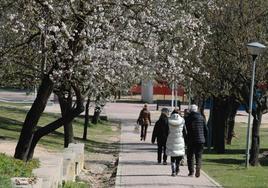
{"x":254,"y":49}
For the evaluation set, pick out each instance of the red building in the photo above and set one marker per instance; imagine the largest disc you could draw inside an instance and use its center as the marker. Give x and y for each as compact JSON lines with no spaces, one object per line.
{"x":160,"y":88}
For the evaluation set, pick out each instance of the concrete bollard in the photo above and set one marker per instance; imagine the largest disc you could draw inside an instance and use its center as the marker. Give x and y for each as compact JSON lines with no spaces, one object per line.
{"x":20,"y":182}
{"x":68,"y":165}
{"x":78,"y":149}
{"x":49,"y":176}
{"x":55,"y":163}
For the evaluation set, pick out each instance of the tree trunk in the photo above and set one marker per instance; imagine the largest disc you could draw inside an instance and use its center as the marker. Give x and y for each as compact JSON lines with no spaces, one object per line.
{"x":233,"y":107}
{"x":50,"y":128}
{"x":201,"y":104}
{"x":209,"y":125}
{"x":67,"y":118}
{"x":86,"y":124}
{"x":255,"y":143}
{"x":218,"y":124}
{"x":97,"y":111}
{"x":66,"y":105}
{"x":32,"y":118}
{"x":260,"y":104}
{"x":96,"y":115}
{"x":119,"y":94}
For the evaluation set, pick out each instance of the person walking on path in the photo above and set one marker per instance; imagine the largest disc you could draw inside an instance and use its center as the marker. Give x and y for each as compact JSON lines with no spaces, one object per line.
{"x":144,"y":120}
{"x":175,"y":142}
{"x":196,"y":131}
{"x":175,"y":111}
{"x":160,"y":133}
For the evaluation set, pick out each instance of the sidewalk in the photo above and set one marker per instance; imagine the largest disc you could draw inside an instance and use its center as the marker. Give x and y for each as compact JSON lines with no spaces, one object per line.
{"x":138,"y":167}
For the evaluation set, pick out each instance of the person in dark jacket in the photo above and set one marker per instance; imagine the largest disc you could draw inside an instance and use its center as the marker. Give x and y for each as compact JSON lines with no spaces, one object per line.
{"x":160,"y":133}
{"x":196,"y":131}
{"x":144,"y":120}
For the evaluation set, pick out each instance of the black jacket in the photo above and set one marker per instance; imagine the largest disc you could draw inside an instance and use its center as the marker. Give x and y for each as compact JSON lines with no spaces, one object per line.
{"x":161,"y":130}
{"x":196,"y":128}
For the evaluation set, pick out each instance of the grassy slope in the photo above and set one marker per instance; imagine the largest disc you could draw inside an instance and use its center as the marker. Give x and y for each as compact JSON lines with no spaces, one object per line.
{"x":229,"y":169}
{"x":12,"y":117}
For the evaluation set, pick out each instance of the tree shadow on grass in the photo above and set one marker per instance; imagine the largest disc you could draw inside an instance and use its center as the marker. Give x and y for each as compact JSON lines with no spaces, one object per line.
{"x":226,"y":161}
{"x":10,"y":124}
{"x":5,"y":120}
{"x":14,"y":109}
{"x":227,"y":151}
{"x":264,"y":157}
{"x":15,"y":125}
{"x":264,"y":161}
{"x":99,"y":147}
{"x":90,"y":145}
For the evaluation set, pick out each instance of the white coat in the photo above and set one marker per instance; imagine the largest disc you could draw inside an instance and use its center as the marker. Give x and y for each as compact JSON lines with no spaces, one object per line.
{"x":175,"y":141}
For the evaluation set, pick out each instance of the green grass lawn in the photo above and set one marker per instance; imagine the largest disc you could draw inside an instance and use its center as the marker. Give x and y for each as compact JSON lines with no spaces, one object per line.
{"x":99,"y":136}
{"x":229,"y":169}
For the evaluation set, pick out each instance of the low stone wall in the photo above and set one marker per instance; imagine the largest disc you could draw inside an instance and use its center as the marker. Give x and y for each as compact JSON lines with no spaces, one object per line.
{"x":54,"y":170}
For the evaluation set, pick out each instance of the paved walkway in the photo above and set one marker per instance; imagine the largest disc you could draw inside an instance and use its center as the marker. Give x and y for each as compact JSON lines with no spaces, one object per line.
{"x":138,"y":168}
{"x":137,"y":160}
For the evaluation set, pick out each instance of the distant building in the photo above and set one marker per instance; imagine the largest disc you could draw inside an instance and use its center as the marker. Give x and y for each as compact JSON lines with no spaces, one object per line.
{"x":147,"y":89}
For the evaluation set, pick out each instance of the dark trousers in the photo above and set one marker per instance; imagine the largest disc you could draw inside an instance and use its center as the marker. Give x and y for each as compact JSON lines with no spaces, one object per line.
{"x":194,"y":150}
{"x":175,"y":163}
{"x":161,"y":149}
{"x":143,"y":131}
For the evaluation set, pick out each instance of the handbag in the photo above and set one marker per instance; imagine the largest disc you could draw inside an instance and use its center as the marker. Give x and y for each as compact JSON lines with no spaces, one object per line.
{"x":136,"y":128}
{"x":140,"y":121}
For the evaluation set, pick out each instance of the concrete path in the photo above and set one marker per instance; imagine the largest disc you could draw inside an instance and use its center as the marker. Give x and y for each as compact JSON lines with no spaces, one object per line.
{"x":138,"y":159}
{"x":138,"y":167}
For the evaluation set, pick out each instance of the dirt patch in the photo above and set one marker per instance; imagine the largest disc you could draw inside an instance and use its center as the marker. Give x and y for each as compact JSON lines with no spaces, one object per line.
{"x":100,"y":173}
{"x":101,"y":165}
{"x":8,"y":147}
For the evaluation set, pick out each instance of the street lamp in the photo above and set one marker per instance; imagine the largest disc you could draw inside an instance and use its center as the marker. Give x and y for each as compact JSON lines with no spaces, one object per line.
{"x":254,"y":49}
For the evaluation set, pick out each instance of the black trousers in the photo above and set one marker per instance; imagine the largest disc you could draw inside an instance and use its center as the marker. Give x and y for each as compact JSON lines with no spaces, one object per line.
{"x":161,"y":148}
{"x":144,"y":131}
{"x":175,"y":163}
{"x":197,"y":151}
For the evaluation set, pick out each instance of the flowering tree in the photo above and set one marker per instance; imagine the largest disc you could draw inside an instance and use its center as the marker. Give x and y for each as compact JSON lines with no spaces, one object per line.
{"x":79,"y":48}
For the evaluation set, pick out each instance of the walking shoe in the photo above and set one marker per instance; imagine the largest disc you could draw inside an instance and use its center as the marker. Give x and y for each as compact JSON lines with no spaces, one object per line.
{"x":177,"y":170}
{"x":165,"y":163}
{"x":191,"y":174}
{"x":182,"y":162}
{"x":173,"y":174}
{"x":197,"y":173}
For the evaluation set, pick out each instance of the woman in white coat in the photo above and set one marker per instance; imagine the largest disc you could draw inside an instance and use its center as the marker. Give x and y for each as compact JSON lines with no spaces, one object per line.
{"x":175,"y":141}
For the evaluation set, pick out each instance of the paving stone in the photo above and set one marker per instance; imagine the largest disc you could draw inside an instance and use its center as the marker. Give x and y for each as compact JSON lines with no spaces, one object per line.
{"x":138,"y":165}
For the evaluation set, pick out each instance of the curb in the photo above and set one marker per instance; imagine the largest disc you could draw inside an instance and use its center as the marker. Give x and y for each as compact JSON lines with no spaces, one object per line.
{"x":118,"y":171}
{"x":211,"y":180}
